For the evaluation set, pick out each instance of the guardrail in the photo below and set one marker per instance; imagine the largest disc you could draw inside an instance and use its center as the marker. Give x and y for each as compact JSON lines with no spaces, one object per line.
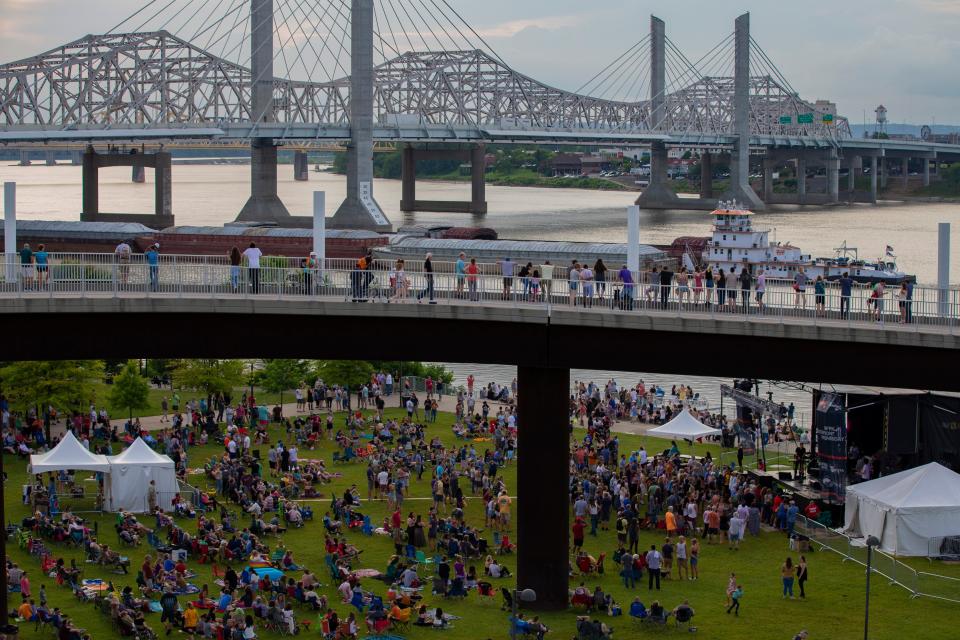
{"x":103,"y":274}
{"x":918,"y":583}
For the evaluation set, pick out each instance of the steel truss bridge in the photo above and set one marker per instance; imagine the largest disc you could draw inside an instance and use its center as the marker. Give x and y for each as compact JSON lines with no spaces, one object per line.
{"x":150,"y":85}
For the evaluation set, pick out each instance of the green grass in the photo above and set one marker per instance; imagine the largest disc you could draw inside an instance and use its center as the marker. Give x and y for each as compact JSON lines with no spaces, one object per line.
{"x":101,"y":395}
{"x":833,"y":609}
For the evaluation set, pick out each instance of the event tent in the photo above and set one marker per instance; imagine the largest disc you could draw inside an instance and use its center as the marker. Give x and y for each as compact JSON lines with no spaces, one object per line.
{"x":907,"y":509}
{"x":130,"y":476}
{"x":684,"y":426}
{"x":69,"y":454}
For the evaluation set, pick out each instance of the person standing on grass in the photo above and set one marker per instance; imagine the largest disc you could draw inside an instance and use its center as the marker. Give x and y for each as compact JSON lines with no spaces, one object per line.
{"x":802,"y":575}
{"x":735,"y":598}
{"x":681,"y":552}
{"x":578,"y":530}
{"x":694,"y":559}
{"x":787,"y":573}
{"x":731,"y":587}
{"x":653,"y":567}
{"x":168,"y":606}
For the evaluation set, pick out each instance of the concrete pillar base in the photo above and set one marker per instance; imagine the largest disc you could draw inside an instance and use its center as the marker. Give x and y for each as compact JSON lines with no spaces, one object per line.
{"x":263,"y":205}
{"x":477,"y":205}
{"x":874,"y":179}
{"x":768,"y":165}
{"x":542,"y":479}
{"x":658,"y":194}
{"x":926,"y":172}
{"x":24,"y":158}
{"x":357,"y":213}
{"x":301,"y":166}
{"x":138,"y":174}
{"x":51,"y":158}
{"x":833,"y":177}
{"x":706,"y":175}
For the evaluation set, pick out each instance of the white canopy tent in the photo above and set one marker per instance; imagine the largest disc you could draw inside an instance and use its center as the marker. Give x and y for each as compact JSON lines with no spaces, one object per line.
{"x":907,"y":509}
{"x":69,"y":454}
{"x":684,"y":426}
{"x":130,"y":475}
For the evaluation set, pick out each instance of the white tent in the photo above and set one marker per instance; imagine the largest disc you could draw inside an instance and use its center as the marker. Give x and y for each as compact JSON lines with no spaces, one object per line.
{"x":905,"y":510}
{"x":684,"y":426}
{"x":130,"y":476}
{"x":69,"y":454}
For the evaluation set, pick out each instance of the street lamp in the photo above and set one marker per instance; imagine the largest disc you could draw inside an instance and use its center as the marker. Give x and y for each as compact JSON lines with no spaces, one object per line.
{"x":527,"y":595}
{"x":872,"y":541}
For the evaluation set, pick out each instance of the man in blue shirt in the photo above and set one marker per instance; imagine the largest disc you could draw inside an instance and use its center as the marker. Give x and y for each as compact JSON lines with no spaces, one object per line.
{"x":626,"y":277}
{"x":846,"y":288}
{"x":506,"y":268}
{"x":152,"y":256}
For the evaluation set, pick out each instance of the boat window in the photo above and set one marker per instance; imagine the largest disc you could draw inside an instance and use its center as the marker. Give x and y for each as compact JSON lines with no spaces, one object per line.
{"x":734,"y":238}
{"x":724,"y":236}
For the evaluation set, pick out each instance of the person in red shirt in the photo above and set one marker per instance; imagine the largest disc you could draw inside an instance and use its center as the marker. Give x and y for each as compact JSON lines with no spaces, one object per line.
{"x":578,"y":529}
{"x":812,"y":510}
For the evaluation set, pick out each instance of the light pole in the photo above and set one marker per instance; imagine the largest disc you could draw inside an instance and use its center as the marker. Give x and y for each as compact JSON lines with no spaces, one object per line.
{"x":872,"y":541}
{"x":527,"y":595}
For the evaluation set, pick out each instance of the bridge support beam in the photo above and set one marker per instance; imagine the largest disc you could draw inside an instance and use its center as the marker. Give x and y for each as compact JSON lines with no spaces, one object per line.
{"x":884,"y":173}
{"x":740,"y":188}
{"x":51,"y":158}
{"x":76,"y":158}
{"x":926,"y":172}
{"x":138,"y":174}
{"x":768,"y":166}
{"x":163,"y":187}
{"x":801,"y":179}
{"x":706,"y":174}
{"x":24,"y":157}
{"x":264,"y":204}
{"x":475,"y":155}
{"x":542,"y":481}
{"x":873,"y":179}
{"x":301,"y":166}
{"x":359,"y":209}
{"x":833,"y":177}
{"x":905,"y":171}
{"x":852,"y":176}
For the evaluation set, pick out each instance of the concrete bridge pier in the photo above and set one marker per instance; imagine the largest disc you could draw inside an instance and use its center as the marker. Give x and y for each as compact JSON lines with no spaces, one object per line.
{"x":874,"y":168}
{"x":76,"y":158}
{"x":706,"y":174}
{"x":543,"y":512}
{"x":905,"y":171}
{"x":163,"y":187}
{"x":475,"y":155}
{"x":852,"y":162}
{"x":301,"y":166}
{"x":264,"y":204}
{"x":802,"y":179}
{"x":51,"y":158}
{"x":833,"y":177}
{"x":926,"y":171}
{"x":768,"y":166}
{"x":24,"y":157}
{"x":884,"y":171}
{"x":139,"y":173}
{"x":359,"y":209}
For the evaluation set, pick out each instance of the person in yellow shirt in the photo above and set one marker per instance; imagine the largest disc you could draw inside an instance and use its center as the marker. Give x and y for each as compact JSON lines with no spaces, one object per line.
{"x":503,"y":502}
{"x":190,"y":619}
{"x":399,"y":614}
{"x":671,"y":522}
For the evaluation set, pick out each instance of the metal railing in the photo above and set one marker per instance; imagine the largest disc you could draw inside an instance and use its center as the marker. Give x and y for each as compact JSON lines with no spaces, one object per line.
{"x":918,"y":583}
{"x":278,"y":277}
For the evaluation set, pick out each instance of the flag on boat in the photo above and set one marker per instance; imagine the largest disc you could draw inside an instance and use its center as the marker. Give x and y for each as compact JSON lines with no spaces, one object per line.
{"x":890,"y":251}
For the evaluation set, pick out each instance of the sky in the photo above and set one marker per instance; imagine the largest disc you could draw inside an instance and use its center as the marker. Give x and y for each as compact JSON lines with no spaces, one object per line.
{"x":904,"y":54}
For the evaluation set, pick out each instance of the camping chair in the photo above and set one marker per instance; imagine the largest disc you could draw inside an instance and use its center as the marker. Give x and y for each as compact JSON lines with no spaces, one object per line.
{"x":358,"y":601}
{"x":367,"y":528}
{"x":485,"y":590}
{"x":638,"y":612}
{"x":684,"y":617}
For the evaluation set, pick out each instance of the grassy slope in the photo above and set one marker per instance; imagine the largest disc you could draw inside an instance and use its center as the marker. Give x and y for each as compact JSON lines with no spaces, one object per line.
{"x":834,"y":608}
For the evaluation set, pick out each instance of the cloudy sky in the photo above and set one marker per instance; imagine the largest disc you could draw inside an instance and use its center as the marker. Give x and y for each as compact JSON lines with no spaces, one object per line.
{"x":859,"y":53}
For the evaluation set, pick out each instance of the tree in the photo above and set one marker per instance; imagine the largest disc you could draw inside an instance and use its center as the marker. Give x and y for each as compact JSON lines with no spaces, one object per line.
{"x":209,"y":376}
{"x":352,"y":373}
{"x":279,"y":375}
{"x":65,"y":385}
{"x":159,"y":368}
{"x":130,"y":390}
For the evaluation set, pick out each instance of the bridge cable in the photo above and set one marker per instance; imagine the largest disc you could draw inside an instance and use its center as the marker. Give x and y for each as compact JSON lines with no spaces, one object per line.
{"x":489,"y":49}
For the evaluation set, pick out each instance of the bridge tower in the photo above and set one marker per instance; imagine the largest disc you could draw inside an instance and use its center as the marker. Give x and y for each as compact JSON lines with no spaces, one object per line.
{"x":658,"y":193}
{"x":740,"y":188}
{"x":360,"y":210}
{"x":263,"y":205}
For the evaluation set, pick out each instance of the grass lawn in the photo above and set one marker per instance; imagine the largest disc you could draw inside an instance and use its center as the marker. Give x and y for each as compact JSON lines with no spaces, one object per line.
{"x":101,"y":397}
{"x":833,"y":609}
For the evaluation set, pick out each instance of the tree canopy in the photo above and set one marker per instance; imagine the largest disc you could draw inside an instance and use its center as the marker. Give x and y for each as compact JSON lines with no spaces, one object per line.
{"x":65,"y":385}
{"x":279,"y":375}
{"x":209,"y":376}
{"x":352,"y":373}
{"x":130,"y":390}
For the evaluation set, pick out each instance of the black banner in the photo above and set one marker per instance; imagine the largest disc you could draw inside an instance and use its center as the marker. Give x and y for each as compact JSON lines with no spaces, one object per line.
{"x":940,"y":428}
{"x":831,"y":428}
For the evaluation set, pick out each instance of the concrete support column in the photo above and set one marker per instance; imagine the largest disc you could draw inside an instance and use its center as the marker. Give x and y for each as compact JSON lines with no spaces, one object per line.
{"x":883,"y":173}
{"x":833,"y":176}
{"x":905,"y":171}
{"x":320,"y":227}
{"x":90,"y":187}
{"x":51,"y":158}
{"x":543,"y":522}
{"x":851,"y":176}
{"x":633,"y":239}
{"x":163,"y":185}
{"x":76,"y":158}
{"x":926,"y":172}
{"x":138,"y":173}
{"x":706,"y":175}
{"x":802,"y":178}
{"x":943,"y":267}
{"x":478,"y":179}
{"x":301,"y":166}
{"x":873,"y":179}
{"x":263,"y":204}
{"x":359,"y":209}
{"x":740,"y":188}
{"x":658,"y":193}
{"x":10,"y":230}
{"x":24,"y":158}
{"x":408,"y":178}
{"x":768,"y":166}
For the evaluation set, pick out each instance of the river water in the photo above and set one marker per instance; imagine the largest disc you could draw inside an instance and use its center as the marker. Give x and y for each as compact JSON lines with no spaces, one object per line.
{"x":213,"y":194}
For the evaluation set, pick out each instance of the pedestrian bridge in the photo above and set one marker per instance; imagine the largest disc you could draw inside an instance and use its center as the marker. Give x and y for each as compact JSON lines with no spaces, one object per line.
{"x":692,"y":340}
